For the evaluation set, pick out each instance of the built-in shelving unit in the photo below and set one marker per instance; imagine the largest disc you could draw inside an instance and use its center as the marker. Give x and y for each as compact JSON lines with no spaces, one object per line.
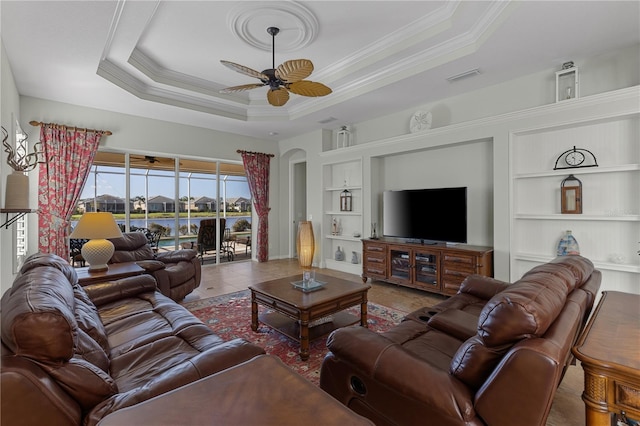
{"x":608,"y":230}
{"x":338,"y":176}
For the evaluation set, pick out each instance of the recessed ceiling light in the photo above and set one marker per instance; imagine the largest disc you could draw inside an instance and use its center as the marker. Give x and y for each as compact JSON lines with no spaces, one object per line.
{"x":273,"y":133}
{"x":327,"y":120}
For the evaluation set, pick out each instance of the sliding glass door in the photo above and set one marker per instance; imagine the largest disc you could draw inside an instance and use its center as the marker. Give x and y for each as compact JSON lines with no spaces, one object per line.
{"x":168,"y":195}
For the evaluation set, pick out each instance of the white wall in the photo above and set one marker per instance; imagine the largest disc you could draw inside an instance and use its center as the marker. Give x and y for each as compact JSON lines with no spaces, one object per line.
{"x":490,"y":114}
{"x":611,"y":71}
{"x":10,"y":108}
{"x":468,"y":164}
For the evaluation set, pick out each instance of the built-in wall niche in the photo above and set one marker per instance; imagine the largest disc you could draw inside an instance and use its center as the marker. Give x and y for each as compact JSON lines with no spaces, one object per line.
{"x":341,"y":228}
{"x":608,"y":229}
{"x":465,"y":164}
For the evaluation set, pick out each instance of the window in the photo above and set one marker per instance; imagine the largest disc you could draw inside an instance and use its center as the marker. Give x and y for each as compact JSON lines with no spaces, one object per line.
{"x":156,"y":197}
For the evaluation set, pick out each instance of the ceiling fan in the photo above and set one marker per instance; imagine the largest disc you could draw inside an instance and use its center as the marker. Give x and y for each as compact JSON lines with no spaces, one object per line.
{"x":151,"y":159}
{"x":288,"y":77}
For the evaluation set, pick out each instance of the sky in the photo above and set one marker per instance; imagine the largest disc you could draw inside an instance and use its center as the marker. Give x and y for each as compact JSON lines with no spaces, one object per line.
{"x":114,"y":184}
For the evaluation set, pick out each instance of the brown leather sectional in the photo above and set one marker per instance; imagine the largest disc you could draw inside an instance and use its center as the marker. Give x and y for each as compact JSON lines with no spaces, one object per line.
{"x":71,"y":355}
{"x":493,"y":354}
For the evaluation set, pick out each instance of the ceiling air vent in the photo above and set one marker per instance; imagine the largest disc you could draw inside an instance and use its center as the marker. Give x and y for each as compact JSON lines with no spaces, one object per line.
{"x":462,"y":75}
{"x":327,"y":120}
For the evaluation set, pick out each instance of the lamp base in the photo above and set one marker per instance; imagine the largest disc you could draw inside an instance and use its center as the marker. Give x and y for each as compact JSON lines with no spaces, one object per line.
{"x":97,"y":253}
{"x":98,"y":268}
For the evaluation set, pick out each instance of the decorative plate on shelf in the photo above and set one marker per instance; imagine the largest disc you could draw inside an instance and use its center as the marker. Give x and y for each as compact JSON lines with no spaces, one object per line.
{"x":420,"y":121}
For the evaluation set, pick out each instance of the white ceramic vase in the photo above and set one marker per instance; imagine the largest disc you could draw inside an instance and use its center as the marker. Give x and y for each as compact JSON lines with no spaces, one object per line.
{"x":16,"y":194}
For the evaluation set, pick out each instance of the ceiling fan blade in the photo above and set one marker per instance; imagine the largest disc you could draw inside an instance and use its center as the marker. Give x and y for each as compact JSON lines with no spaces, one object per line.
{"x":278,"y":97}
{"x":294,"y":70}
{"x":244,"y":70}
{"x":308,"y":88}
{"x":242,"y":88}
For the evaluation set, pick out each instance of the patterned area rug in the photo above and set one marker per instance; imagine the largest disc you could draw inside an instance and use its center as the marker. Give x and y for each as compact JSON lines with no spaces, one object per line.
{"x":229,"y":316}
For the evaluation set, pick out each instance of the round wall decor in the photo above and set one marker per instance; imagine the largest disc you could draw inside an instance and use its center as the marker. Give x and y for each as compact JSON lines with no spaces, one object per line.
{"x":420,"y":121}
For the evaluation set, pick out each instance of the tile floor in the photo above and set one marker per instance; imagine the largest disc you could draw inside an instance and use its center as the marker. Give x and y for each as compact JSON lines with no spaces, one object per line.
{"x":567,"y":409}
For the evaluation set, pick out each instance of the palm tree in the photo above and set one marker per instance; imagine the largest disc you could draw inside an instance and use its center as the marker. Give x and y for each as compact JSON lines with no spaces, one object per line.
{"x":139,"y":200}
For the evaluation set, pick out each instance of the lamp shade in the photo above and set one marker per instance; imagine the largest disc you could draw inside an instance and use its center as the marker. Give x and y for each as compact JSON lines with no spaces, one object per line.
{"x":305,"y":244}
{"x":96,"y":227}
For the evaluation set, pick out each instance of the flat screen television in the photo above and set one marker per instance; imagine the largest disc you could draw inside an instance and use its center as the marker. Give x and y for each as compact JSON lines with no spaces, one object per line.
{"x":434,"y":215}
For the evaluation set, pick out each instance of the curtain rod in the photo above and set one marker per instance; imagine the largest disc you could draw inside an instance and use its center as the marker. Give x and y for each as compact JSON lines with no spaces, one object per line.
{"x":240,"y":151}
{"x":38,"y":123}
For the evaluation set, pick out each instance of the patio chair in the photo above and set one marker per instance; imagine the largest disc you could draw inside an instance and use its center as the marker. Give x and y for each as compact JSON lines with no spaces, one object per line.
{"x":75,"y":251}
{"x":153,"y":237}
{"x":229,"y":244}
{"x":207,"y":234}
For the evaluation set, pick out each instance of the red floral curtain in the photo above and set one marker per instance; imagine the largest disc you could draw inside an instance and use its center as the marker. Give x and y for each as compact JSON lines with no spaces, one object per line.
{"x":256,"y":166}
{"x":68,"y":153}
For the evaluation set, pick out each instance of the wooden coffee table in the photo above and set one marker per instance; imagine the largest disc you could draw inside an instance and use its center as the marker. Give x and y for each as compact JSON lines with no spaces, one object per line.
{"x":291,"y":311}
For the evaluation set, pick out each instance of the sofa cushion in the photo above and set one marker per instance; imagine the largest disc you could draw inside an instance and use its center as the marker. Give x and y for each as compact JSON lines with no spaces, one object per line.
{"x":88,"y":319}
{"x":89,"y":350}
{"x":130,"y":247}
{"x":454,"y":322}
{"x":38,"y":260}
{"x":526,"y":308}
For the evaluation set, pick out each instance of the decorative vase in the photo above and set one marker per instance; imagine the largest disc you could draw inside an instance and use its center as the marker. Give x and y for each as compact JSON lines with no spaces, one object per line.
{"x":339,"y":254}
{"x":17,"y":191}
{"x":568,"y":245}
{"x":354,"y":257}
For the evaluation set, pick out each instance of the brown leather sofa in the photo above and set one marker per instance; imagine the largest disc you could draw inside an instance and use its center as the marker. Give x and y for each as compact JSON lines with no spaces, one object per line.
{"x":72,"y":355}
{"x":494,"y":354}
{"x":177,"y":272}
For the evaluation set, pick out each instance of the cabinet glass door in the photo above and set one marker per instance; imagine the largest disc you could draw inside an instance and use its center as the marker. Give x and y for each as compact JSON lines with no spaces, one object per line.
{"x":426,"y":269}
{"x":400,"y":264}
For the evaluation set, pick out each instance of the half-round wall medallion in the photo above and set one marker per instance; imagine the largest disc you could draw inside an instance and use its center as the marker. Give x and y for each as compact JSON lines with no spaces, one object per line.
{"x":298,"y":25}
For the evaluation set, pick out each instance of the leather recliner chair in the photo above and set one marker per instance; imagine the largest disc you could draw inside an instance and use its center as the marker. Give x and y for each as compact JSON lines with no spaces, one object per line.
{"x":177,"y":272}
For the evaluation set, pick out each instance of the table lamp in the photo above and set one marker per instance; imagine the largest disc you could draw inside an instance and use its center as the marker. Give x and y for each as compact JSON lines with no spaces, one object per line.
{"x":305,"y":244}
{"x":96,"y":227}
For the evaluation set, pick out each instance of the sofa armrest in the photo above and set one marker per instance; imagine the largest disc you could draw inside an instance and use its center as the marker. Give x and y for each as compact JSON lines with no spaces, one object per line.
{"x":482,"y":287}
{"x":31,"y":396}
{"x":455,"y":323}
{"x":185,"y":255}
{"x":109,"y":291}
{"x":150,"y":266}
{"x":390,"y":364}
{"x":358,"y":346}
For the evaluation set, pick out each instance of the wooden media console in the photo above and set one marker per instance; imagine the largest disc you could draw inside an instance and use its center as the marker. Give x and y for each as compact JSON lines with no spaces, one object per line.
{"x":438,"y":268}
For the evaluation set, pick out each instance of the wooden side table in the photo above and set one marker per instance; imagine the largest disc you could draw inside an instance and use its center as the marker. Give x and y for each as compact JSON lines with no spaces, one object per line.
{"x":116,"y":271}
{"x":609,"y":349}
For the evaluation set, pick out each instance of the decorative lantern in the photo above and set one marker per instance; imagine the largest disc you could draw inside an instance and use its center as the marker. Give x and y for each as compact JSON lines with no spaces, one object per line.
{"x":346,"y":201}
{"x":305,"y":244}
{"x":344,"y":137}
{"x":567,"y":82}
{"x":571,"y":195}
